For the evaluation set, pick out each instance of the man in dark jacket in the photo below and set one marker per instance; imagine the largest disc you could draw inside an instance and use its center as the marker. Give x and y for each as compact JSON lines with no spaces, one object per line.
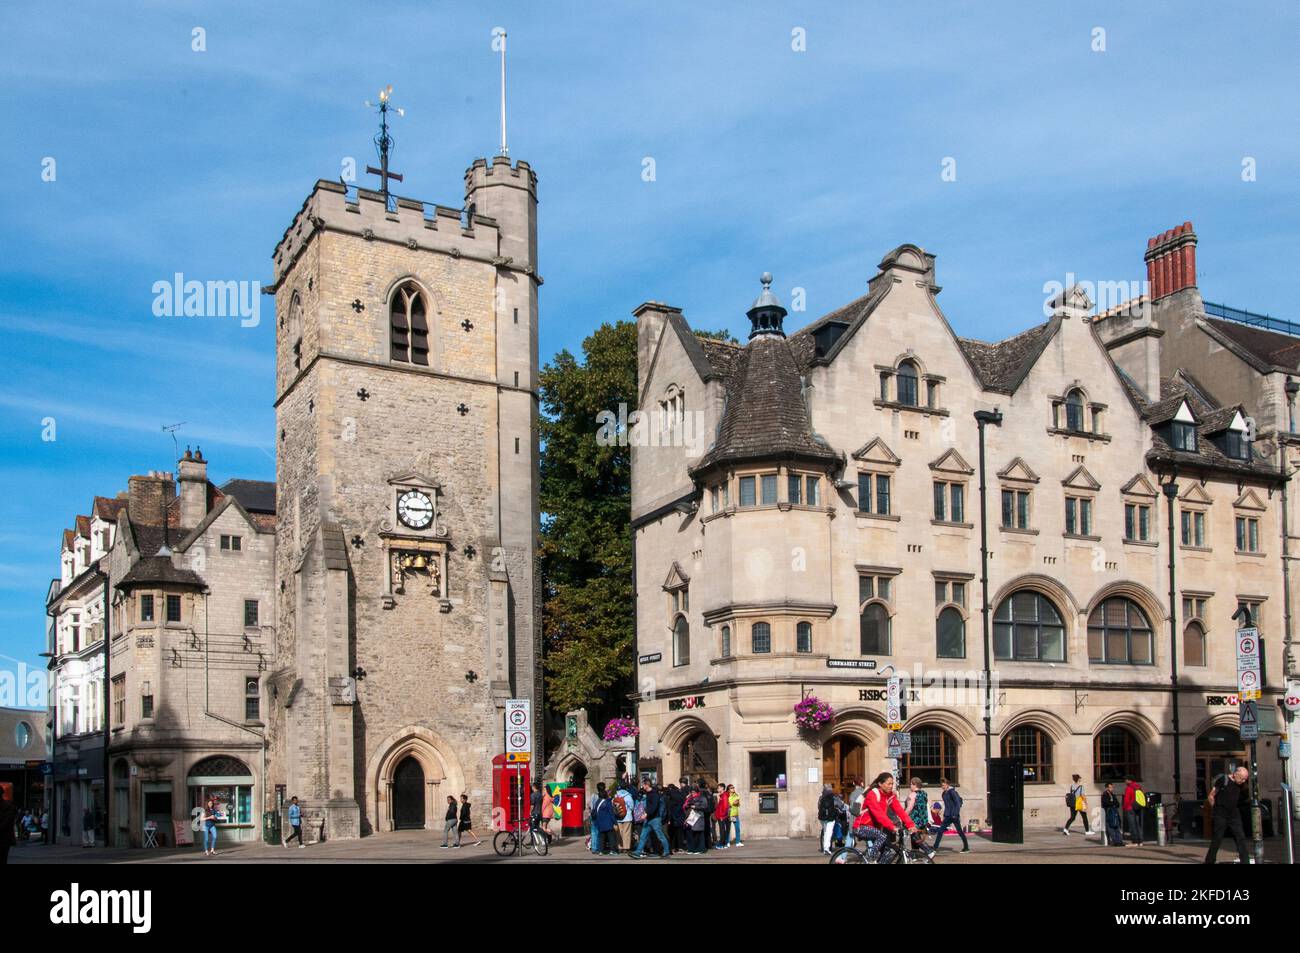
{"x":675,"y":797}
{"x":1112,"y":811}
{"x":827,"y":814}
{"x":656,"y":808}
{"x":951,"y":815}
{"x":1227,"y":796}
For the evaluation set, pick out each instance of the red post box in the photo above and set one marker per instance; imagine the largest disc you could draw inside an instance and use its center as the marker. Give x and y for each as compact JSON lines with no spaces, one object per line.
{"x":572,"y":804}
{"x":511,"y":787}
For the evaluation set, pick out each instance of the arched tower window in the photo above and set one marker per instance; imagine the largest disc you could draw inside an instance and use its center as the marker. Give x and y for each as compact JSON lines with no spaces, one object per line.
{"x":1074,"y":410}
{"x":409,"y":323}
{"x":681,"y":641}
{"x":908,"y":392}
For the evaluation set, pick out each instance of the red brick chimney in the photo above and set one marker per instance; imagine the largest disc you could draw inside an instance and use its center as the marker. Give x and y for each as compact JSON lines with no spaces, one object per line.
{"x":1171,"y":261}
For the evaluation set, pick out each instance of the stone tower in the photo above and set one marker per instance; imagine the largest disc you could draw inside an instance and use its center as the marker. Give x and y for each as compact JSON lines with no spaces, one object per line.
{"x":406,"y":413}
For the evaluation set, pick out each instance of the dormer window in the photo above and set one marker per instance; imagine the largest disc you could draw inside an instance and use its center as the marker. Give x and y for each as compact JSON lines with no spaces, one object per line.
{"x":1234,"y":444}
{"x":1182,"y":436}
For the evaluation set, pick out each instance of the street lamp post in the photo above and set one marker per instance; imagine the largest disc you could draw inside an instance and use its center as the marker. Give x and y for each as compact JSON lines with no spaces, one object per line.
{"x":1170,"y":490}
{"x":982,"y":419}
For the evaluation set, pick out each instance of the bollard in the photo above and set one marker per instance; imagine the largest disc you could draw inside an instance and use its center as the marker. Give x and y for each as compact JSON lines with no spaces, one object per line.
{"x":1160,"y":825}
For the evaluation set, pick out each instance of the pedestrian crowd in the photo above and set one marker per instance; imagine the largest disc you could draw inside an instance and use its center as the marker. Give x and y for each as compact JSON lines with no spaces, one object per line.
{"x":871,"y":814}
{"x":682,"y":818}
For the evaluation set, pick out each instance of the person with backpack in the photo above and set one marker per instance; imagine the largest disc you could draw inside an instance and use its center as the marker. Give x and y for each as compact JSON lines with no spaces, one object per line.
{"x":733,"y":805}
{"x":1078,"y":805}
{"x":875,"y":823}
{"x":1226,"y":798}
{"x":1110,"y":809}
{"x":676,"y":800}
{"x":951,"y":815}
{"x":623,"y":807}
{"x":1135,"y":805}
{"x":722,"y":813}
{"x":827,"y":815}
{"x":603,"y":822}
{"x":656,"y":809}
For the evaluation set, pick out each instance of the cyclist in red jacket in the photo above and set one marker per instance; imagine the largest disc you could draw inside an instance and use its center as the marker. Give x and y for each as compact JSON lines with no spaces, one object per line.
{"x":878,"y":804}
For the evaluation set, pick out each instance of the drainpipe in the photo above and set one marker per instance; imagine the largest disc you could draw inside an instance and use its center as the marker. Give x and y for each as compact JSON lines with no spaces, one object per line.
{"x":1170,"y":491}
{"x":1288,"y":651}
{"x":106,"y":701}
{"x":207,"y":698}
{"x":982,"y":418}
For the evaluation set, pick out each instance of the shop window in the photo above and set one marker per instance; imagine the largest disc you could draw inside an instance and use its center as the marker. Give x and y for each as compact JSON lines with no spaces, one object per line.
{"x":1032,"y":747}
{"x":1116,"y":755}
{"x":767,"y":771}
{"x":934,"y":756}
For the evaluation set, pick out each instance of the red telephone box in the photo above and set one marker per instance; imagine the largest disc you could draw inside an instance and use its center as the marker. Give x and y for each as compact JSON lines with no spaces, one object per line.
{"x":511,"y":787}
{"x":572,"y":804}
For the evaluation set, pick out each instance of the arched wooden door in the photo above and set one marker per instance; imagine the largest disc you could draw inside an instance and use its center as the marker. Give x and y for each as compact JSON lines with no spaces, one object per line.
{"x":408,"y":796}
{"x":843,"y":763}
{"x":700,"y":758}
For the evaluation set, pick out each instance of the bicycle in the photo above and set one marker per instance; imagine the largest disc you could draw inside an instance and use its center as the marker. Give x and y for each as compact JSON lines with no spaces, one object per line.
{"x":509,"y":842}
{"x":889,"y":851}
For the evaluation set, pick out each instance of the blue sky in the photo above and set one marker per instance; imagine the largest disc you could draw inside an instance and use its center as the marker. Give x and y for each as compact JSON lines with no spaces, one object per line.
{"x":810,"y":164}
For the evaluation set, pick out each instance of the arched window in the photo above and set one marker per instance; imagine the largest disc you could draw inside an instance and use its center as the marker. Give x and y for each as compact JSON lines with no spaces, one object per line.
{"x":761,"y":636}
{"x":229,"y":781}
{"x":1116,"y":755}
{"x":1032,"y":747}
{"x":934,"y":756}
{"x":803,"y":637}
{"x":409,"y":323}
{"x":1118,"y":631}
{"x":726,"y":641}
{"x":1074,"y":410}
{"x":875,"y":629}
{"x":1194,"y":644}
{"x":681,"y":641}
{"x":1027,"y":628}
{"x":950,"y":634}
{"x":907,"y":384}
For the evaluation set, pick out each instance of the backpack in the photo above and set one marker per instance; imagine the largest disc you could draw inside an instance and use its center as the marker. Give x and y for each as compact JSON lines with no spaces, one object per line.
{"x":1070,"y":798}
{"x":1140,"y":798}
{"x":620,"y":809}
{"x":956,"y":798}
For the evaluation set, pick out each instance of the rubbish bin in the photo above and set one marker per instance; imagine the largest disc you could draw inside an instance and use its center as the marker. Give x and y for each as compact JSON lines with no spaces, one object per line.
{"x":271,"y":827}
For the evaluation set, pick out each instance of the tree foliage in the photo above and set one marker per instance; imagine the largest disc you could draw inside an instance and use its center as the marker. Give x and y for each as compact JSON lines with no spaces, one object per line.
{"x":586,"y":548}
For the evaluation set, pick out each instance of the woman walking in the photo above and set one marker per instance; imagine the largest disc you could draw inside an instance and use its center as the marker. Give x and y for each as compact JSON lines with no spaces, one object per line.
{"x":1078,"y":805}
{"x":210,"y":817}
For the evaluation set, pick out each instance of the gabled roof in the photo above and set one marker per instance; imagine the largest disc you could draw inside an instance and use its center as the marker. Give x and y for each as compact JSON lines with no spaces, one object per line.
{"x":108,"y":509}
{"x":255,"y":496}
{"x":83,"y":527}
{"x":1003,"y":366}
{"x":1266,"y":347}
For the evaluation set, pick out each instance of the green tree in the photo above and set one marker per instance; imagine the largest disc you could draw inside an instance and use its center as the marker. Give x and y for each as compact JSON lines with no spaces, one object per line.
{"x":586,"y":548}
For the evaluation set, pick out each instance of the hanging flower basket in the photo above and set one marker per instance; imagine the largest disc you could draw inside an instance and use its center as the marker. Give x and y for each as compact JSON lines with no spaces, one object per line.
{"x":620,"y":728}
{"x":813,"y":714}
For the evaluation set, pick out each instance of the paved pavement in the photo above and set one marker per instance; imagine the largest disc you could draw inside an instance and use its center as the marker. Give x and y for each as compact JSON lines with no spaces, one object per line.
{"x":415,"y":847}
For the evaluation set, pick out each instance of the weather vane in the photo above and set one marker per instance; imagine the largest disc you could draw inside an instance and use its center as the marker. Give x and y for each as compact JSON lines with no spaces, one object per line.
{"x":383,"y":141}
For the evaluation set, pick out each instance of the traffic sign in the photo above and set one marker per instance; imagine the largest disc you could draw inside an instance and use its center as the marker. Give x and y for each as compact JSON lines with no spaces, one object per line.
{"x":902,"y":740}
{"x":893,"y":701}
{"x":519,"y":726}
{"x":518,"y":757}
{"x":1249,"y":721}
{"x":1248,"y":679}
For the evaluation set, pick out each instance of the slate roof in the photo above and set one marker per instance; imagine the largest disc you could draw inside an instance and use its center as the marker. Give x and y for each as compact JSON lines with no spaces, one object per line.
{"x":1270,"y":347}
{"x":1210,"y":420}
{"x":1002,"y":365}
{"x":108,"y":509}
{"x":150,"y":539}
{"x":765,"y":414}
{"x":159,"y":570}
{"x":256,"y":496}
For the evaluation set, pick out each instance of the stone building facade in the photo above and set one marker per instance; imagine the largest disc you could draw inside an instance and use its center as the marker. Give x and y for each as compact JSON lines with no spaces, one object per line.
{"x":807,"y":519}
{"x":181,"y":639}
{"x":406,"y":356}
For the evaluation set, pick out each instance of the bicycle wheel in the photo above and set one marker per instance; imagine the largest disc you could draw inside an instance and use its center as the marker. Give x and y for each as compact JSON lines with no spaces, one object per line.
{"x":540,"y":844}
{"x":504,"y":843}
{"x":848,"y":855}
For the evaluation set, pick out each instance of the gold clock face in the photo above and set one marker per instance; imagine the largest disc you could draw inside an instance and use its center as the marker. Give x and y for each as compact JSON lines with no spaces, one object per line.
{"x":415,"y":509}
